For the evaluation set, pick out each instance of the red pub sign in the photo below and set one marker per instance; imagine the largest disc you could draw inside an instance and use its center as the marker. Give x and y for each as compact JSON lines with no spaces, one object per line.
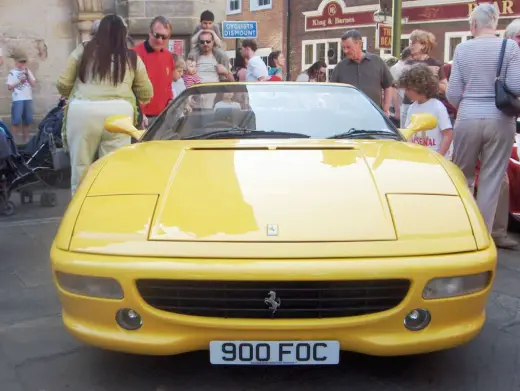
{"x":335,"y":15}
{"x":383,"y":36}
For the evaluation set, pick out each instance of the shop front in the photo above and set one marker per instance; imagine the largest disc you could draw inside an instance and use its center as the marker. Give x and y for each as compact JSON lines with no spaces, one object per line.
{"x":319,"y":26}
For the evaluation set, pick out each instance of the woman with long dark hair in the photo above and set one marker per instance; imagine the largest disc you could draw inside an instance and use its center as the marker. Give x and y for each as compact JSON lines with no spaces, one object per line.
{"x":315,"y":73}
{"x":103,"y":77}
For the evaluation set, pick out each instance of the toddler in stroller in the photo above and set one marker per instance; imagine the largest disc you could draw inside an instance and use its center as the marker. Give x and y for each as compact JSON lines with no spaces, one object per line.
{"x":16,"y":174}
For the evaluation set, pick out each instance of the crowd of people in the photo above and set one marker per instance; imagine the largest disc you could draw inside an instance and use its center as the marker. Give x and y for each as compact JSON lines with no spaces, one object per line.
{"x":109,"y":75}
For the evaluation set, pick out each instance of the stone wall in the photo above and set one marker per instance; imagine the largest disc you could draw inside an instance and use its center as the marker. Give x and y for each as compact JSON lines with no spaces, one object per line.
{"x":184,"y":15}
{"x":45,"y":31}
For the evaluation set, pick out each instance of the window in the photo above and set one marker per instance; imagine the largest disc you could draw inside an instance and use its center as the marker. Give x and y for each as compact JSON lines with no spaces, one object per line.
{"x":385,"y":53}
{"x":328,"y":50}
{"x":234,"y":7}
{"x":405,"y":42}
{"x":258,"y":5}
{"x":453,"y":38}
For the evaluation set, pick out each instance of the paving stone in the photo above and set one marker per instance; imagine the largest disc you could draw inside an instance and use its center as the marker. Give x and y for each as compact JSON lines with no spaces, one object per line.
{"x":37,"y":339}
{"x":34,"y":276}
{"x":28,"y":303}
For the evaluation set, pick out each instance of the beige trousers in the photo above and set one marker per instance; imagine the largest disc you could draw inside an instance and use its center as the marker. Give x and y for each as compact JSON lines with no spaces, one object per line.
{"x":491,"y":140}
{"x":86,"y":135}
{"x":502,"y":213}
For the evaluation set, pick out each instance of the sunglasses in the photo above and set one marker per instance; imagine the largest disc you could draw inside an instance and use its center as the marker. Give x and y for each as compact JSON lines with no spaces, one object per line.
{"x":208,"y":41}
{"x":161,"y":36}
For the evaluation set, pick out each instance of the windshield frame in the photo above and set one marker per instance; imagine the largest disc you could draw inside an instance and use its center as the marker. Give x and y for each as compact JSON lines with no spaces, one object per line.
{"x":210,"y":88}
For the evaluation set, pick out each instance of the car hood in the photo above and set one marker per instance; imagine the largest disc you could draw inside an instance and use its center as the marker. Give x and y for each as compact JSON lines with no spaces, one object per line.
{"x":250,"y":191}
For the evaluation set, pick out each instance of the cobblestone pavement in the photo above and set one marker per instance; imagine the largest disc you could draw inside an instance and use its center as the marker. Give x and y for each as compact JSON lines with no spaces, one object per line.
{"x":36,"y":354}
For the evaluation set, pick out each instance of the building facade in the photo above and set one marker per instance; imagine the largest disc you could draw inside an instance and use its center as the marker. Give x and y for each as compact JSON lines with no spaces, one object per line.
{"x":49,"y":30}
{"x":271,"y":16}
{"x":317,"y":26}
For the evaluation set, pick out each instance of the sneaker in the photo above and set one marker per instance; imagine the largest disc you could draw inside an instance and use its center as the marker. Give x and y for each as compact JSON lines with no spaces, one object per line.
{"x":505,"y":242}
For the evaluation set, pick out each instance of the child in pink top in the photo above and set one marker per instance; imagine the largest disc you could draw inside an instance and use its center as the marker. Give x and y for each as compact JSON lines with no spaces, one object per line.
{"x":190,"y":75}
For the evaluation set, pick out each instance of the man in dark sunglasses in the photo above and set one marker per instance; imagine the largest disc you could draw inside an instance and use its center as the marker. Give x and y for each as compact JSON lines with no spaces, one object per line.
{"x":212,"y":61}
{"x":159,"y":65}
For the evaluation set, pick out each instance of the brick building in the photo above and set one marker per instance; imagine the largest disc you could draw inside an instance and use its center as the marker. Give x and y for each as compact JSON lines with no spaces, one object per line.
{"x":271,"y":16}
{"x":317,"y":26}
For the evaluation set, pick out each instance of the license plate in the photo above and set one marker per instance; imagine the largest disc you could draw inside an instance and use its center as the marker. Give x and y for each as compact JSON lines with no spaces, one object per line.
{"x":274,"y":352}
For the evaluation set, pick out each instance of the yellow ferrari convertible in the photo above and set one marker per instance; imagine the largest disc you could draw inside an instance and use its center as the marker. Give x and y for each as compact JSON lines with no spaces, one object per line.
{"x":273,"y":224}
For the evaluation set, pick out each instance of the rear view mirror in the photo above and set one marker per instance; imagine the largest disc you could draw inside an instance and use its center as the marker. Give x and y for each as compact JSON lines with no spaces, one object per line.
{"x":123,"y":124}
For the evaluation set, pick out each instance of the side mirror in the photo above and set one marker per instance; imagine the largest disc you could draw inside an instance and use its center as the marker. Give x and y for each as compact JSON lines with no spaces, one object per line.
{"x":123,"y":124}
{"x":419,"y":123}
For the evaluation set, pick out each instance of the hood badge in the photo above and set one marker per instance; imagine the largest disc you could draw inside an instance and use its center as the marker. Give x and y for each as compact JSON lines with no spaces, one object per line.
{"x":273,"y":302}
{"x":272,"y":229}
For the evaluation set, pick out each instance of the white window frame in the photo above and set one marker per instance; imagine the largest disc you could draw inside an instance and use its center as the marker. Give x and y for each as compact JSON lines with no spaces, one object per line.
{"x":464,"y":37}
{"x":406,"y":36}
{"x":315,"y":42}
{"x":387,"y":53}
{"x":233,"y":12}
{"x":254,"y":6}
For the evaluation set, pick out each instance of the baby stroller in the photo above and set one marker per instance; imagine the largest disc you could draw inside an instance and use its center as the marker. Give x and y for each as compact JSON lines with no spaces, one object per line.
{"x":45,"y":149}
{"x":17,"y":175}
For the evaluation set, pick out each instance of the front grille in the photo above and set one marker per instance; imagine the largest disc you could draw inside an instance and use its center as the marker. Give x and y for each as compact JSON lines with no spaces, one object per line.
{"x":299,"y":299}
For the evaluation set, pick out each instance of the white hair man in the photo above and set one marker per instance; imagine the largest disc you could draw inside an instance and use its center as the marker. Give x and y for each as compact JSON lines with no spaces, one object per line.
{"x":481,"y":130}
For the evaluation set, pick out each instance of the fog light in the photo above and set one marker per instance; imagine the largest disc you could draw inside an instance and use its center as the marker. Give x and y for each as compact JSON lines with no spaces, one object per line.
{"x":129,"y":319}
{"x":417,"y":319}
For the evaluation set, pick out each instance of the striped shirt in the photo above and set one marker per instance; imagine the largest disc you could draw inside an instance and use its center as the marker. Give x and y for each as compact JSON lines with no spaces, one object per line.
{"x":190,"y":80}
{"x":471,"y":88}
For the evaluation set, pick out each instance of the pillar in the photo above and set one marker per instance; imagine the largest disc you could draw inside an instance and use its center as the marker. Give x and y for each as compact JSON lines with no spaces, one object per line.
{"x":88,"y":12}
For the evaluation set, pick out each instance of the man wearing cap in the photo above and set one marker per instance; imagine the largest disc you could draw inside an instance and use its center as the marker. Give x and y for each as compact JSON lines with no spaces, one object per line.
{"x":21,"y":81}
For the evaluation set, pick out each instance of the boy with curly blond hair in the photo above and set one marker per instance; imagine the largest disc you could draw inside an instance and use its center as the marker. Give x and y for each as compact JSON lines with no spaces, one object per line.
{"x":421,"y":86}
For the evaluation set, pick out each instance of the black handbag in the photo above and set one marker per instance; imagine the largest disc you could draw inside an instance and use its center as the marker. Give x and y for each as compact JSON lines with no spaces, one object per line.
{"x":505,"y":101}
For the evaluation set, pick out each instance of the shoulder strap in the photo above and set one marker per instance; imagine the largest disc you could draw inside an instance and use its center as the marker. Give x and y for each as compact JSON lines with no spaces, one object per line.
{"x":501,"y":58}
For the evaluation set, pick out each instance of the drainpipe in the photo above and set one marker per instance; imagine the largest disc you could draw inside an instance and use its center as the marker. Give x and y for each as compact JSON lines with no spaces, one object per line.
{"x":288,"y":42}
{"x":397,"y":16}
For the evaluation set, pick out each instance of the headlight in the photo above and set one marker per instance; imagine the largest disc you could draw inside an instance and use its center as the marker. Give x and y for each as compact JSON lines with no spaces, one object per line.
{"x":439,"y":288}
{"x":103,"y":287}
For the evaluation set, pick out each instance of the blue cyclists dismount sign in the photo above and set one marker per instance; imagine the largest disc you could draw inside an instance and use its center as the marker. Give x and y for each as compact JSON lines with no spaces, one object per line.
{"x":239,"y":29}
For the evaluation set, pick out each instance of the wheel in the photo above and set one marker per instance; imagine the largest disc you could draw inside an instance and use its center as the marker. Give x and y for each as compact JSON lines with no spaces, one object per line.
{"x":48,"y":199}
{"x":26,"y":197}
{"x":8,"y":208}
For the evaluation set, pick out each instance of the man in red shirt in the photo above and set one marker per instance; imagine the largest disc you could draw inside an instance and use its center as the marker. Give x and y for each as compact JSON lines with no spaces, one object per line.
{"x":159,"y":65}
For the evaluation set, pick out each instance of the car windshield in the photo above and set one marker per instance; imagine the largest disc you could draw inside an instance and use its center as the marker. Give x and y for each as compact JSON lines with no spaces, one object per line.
{"x":271,"y":110}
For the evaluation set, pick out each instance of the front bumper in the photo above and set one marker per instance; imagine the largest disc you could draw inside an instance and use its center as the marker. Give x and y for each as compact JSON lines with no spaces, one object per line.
{"x":455,"y":321}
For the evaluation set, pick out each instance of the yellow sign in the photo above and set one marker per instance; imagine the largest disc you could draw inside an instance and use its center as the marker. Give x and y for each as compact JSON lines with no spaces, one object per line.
{"x":504,"y":7}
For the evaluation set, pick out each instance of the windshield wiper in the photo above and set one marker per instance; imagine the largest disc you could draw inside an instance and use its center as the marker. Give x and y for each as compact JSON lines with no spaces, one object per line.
{"x":244,"y":132}
{"x":365,"y":133}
